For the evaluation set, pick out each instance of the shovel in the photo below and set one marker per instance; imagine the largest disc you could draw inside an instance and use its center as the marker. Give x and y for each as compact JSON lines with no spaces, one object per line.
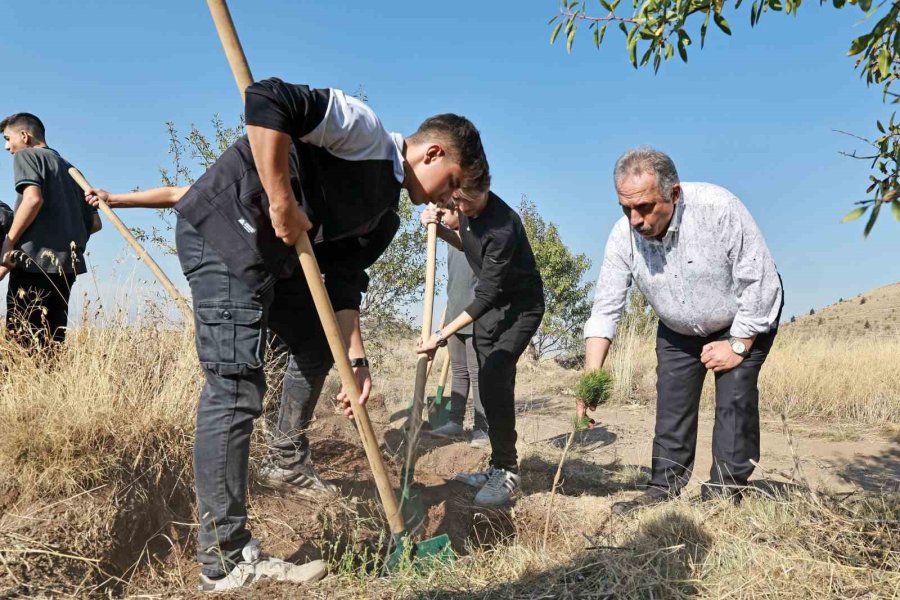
{"x":413,"y":508}
{"x":439,"y":407}
{"x":428,"y":552}
{"x":136,"y":245}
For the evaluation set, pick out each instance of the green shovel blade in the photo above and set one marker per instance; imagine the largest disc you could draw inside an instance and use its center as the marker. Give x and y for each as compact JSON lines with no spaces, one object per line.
{"x":422,"y":556}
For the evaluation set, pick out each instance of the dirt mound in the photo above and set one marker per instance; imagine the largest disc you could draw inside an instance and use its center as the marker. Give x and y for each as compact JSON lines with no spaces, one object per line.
{"x":92,"y":542}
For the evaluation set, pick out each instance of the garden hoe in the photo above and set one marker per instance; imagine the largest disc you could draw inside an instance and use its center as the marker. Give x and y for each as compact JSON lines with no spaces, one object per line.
{"x":136,"y":245}
{"x":425,"y":553}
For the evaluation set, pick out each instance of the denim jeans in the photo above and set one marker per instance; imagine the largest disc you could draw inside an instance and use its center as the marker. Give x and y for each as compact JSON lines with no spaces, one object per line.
{"x":231,"y":331}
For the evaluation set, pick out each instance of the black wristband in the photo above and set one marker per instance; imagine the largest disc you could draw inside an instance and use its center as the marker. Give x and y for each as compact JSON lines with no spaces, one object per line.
{"x":359,"y":362}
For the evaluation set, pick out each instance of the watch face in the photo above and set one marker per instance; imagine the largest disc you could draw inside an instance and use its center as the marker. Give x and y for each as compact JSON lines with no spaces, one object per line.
{"x":738,"y":347}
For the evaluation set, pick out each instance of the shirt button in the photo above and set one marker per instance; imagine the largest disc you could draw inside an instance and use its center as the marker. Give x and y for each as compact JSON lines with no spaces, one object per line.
{"x":226,"y":315}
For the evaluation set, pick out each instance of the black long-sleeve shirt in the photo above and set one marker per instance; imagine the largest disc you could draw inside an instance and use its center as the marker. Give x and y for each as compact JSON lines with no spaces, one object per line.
{"x":499,"y":253}
{"x":346,"y":171}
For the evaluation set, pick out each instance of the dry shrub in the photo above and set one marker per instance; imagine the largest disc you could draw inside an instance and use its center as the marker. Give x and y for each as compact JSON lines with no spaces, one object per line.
{"x":95,"y":453}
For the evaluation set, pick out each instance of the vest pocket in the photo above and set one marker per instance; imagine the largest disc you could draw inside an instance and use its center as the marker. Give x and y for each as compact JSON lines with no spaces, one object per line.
{"x":230,"y":338}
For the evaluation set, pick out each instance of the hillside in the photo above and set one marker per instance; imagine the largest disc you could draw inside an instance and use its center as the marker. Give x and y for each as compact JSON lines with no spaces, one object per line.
{"x":876,"y":312}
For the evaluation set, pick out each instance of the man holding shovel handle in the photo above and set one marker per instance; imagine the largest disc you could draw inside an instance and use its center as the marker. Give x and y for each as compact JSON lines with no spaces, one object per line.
{"x":316,"y":161}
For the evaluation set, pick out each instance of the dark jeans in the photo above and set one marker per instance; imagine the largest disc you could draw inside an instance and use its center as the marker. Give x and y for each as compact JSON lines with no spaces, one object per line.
{"x":464,"y":364}
{"x":501,"y":336}
{"x":231,"y":329}
{"x":680,"y":376}
{"x":37,"y":307}
{"x":305,"y":361}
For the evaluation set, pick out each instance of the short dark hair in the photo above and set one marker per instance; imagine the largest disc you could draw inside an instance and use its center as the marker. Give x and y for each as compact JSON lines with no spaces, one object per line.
{"x":26,"y":121}
{"x":463,"y":144}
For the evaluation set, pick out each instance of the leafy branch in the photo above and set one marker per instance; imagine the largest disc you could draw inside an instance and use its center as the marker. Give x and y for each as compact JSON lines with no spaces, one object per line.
{"x":654,"y":30}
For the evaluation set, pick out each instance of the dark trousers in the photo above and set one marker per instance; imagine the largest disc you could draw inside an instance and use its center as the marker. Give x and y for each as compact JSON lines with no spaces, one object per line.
{"x":501,"y":336}
{"x":37,"y":307}
{"x":679,"y":383}
{"x":464,"y":365}
{"x":231,"y":330}
{"x":304,"y":377}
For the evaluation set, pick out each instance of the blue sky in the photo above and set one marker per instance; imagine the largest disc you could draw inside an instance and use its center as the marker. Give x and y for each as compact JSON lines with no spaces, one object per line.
{"x":754,"y":112}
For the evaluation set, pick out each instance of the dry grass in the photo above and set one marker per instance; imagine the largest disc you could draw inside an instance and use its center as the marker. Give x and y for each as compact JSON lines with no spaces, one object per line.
{"x":95,"y":454}
{"x":807,"y":376}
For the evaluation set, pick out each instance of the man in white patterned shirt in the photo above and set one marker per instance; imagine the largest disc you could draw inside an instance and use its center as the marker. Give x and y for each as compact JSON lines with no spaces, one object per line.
{"x":697,"y":255}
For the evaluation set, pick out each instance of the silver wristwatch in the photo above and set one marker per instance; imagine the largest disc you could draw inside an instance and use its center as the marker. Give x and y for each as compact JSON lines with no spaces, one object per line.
{"x":738,"y":347}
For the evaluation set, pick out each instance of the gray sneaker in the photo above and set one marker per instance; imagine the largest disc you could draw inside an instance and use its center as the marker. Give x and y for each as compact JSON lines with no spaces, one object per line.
{"x":480,"y":439}
{"x":449,"y":430}
{"x":255,"y":566}
{"x":501,"y":486}
{"x":302,"y":478}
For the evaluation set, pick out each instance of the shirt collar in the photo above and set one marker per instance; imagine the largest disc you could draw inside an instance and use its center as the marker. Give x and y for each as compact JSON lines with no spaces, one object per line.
{"x":676,"y":217}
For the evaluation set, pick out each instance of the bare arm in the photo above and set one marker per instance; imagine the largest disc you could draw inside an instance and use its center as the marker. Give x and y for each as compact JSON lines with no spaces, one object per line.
{"x":596,"y":351}
{"x":26,"y":213}
{"x":161,"y":197}
{"x":270,"y":153}
{"x":430,"y":346}
{"x":450,"y":236}
{"x":433,"y":214}
{"x":348,"y":321}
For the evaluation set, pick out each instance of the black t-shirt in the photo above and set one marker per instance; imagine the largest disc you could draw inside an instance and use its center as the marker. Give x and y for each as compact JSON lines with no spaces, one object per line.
{"x":346,"y":171}
{"x":499,"y":253}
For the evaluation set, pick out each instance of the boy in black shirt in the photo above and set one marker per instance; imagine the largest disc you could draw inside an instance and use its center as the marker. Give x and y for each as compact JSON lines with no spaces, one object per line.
{"x":313,"y":160}
{"x":507,"y":311}
{"x":44,"y":246}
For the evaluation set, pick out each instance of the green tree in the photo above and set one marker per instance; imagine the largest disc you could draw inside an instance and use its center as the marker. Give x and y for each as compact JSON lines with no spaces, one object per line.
{"x":654,"y":30}
{"x":396,"y":280}
{"x":567,"y":297}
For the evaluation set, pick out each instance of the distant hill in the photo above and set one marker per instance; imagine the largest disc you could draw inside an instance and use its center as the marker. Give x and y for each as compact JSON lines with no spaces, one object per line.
{"x":876,"y":312}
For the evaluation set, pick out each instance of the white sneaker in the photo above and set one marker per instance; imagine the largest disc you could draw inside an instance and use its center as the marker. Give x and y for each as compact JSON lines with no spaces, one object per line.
{"x":477,"y":479}
{"x":303,"y":478}
{"x":447,"y":430}
{"x":480,"y":439}
{"x":256,"y":565}
{"x":500,"y":487}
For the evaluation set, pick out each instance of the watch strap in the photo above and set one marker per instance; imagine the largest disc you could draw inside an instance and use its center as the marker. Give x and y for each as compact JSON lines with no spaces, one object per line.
{"x":359,"y":362}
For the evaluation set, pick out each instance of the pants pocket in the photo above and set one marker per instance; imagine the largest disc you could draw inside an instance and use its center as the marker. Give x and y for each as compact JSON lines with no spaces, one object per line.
{"x":230,"y":337}
{"x":189,"y":245}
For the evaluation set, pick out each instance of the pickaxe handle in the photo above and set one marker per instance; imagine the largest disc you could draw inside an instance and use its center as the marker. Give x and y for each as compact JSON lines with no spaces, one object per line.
{"x":136,"y":245}
{"x":310,"y":267}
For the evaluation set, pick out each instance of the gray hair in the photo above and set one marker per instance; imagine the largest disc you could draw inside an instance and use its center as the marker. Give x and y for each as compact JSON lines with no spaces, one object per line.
{"x":645,"y":159}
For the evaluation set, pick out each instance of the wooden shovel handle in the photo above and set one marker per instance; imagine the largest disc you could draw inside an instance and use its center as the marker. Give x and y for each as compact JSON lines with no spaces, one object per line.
{"x":234,"y":52}
{"x":137,"y":247}
{"x":241,"y":70}
{"x":313,"y":276}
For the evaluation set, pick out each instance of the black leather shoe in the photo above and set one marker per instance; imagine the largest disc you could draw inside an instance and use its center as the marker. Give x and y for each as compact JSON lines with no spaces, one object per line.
{"x":710,"y":492}
{"x":649,"y":498}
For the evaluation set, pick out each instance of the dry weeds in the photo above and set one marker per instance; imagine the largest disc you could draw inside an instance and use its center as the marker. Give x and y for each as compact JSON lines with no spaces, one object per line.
{"x":96,"y":489}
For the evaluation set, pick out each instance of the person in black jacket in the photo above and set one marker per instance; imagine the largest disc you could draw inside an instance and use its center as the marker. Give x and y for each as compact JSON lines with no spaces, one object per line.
{"x":507,"y":311}
{"x":313,"y":160}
